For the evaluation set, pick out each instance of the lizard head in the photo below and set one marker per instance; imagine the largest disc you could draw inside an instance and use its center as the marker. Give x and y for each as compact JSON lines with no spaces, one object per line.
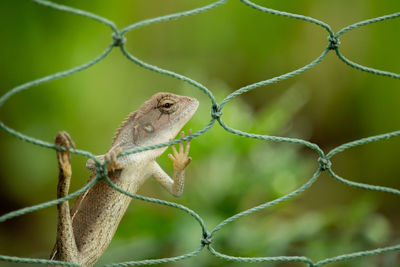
{"x":163,"y":116}
{"x":158,"y":120}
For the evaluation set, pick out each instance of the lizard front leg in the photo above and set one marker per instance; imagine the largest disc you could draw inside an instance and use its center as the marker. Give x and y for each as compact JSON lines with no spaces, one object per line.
{"x":110,"y":157}
{"x":180,"y":161}
{"x":66,"y":249}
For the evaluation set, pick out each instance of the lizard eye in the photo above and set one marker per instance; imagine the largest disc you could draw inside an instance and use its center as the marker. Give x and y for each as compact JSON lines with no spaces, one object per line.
{"x":166,"y":105}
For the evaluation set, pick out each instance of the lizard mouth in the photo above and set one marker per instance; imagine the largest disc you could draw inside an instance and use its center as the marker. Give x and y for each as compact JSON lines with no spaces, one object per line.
{"x":189,"y":110}
{"x":194,"y":103}
{"x":186,"y":113}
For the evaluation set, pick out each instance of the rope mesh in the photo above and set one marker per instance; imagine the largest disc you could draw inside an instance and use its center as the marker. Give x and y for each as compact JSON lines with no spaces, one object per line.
{"x":118,"y":40}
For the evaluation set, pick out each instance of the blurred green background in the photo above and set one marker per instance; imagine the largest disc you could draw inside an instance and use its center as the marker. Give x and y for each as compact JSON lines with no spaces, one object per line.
{"x":224,"y":49}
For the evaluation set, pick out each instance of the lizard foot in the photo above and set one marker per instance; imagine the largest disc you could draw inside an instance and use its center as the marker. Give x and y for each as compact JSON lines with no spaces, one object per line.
{"x":180,"y":159}
{"x":64,"y":140}
{"x":64,"y":163}
{"x":111,"y":158}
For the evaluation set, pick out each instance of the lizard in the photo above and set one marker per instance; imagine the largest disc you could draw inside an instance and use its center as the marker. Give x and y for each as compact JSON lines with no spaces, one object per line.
{"x":85,"y":231}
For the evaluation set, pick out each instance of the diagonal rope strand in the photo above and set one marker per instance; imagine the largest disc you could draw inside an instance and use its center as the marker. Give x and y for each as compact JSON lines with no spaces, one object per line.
{"x":156,"y":261}
{"x":55,"y":76}
{"x":54,"y":202}
{"x":267,"y":204}
{"x":79,"y":12}
{"x":367,"y":22}
{"x":289,"y":15}
{"x":172,"y":16}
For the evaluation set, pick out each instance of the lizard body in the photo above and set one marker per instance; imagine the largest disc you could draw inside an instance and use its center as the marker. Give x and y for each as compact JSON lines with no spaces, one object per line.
{"x":84,"y":234}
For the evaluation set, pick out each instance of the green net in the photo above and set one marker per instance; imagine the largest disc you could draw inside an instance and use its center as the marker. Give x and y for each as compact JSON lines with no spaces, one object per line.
{"x":206,"y":237}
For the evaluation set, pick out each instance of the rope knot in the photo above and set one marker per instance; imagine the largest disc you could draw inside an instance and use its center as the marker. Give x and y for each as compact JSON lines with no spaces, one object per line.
{"x":101,"y":170}
{"x":206,"y":240}
{"x":119,"y":39}
{"x":334,"y":42}
{"x":324,"y":163}
{"x":216,"y":111}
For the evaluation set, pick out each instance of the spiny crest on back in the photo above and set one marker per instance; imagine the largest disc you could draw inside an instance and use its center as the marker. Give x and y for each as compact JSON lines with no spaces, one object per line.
{"x":123,"y":126}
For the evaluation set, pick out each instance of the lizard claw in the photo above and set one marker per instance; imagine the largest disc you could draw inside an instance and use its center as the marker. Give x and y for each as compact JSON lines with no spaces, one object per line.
{"x":180,"y":159}
{"x":111,"y":158}
{"x":64,"y":140}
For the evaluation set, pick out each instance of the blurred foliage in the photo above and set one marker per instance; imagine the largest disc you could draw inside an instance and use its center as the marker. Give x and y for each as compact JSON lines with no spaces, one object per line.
{"x":224,"y":49}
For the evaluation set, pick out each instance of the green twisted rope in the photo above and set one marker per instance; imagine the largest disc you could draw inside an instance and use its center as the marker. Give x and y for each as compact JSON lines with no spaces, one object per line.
{"x":260,"y":259}
{"x":78,"y":12}
{"x":267,"y":204}
{"x":216,"y":114}
{"x":26,"y":210}
{"x":156,"y":261}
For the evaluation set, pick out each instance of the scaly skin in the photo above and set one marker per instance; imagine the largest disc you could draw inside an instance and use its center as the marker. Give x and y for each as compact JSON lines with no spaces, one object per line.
{"x":83,"y":236}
